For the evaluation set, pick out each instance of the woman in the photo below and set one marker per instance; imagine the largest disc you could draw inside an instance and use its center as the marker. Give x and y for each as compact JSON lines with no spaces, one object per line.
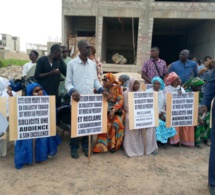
{"x":112,"y":140}
{"x":5,"y":91}
{"x":162,"y":132}
{"x":185,"y":135}
{"x":202,"y":131}
{"x":124,"y":80}
{"x":44,"y":147}
{"x":133,"y":141}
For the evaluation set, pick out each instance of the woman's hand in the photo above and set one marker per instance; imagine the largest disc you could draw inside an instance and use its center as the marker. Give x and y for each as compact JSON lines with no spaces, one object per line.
{"x":106,"y":94}
{"x":9,"y":92}
{"x":111,"y":114}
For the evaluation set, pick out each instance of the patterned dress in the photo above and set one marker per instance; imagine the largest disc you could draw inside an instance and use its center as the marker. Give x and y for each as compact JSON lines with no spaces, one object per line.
{"x":134,"y":139}
{"x":112,"y":140}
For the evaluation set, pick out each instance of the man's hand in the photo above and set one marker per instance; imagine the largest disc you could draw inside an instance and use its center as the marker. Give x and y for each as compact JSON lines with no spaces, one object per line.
{"x":204,"y":110}
{"x":55,"y":71}
{"x":9,"y":92}
{"x":76,"y":96}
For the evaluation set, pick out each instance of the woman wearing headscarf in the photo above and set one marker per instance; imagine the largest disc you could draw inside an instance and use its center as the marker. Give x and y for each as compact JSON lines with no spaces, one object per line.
{"x":202,"y":131}
{"x":5,"y":91}
{"x":163,"y":133}
{"x":133,"y":141}
{"x":112,"y":140}
{"x":185,"y":135}
{"x":44,"y":147}
{"x":124,"y":79}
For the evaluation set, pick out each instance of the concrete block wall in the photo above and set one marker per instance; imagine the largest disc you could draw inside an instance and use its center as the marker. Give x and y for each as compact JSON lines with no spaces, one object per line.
{"x":145,"y":10}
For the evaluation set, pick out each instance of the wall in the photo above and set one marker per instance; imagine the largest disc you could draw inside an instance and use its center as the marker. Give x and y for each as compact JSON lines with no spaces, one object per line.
{"x":13,"y":55}
{"x":201,"y":40}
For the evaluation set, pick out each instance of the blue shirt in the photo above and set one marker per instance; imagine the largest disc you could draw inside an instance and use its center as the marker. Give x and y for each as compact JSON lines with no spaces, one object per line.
{"x":81,"y":77}
{"x":185,"y":70}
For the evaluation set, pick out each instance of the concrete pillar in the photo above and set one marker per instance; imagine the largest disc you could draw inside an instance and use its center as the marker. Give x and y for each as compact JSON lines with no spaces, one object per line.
{"x":144,"y":39}
{"x":99,"y":27}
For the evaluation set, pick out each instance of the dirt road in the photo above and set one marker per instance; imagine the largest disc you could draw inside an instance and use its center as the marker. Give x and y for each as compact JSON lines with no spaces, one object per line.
{"x":173,"y":171}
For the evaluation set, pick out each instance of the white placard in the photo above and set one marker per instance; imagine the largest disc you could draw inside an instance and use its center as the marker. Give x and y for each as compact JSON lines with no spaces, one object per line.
{"x":182,"y":109}
{"x":144,"y":115}
{"x":89,"y":114}
{"x":33,"y":117}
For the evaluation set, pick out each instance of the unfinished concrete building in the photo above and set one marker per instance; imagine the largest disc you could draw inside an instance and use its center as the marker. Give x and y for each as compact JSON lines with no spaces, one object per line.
{"x":10,"y":43}
{"x":131,"y":27}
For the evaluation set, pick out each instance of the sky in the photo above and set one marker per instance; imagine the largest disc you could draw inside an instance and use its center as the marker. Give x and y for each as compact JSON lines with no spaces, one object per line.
{"x":33,"y":21}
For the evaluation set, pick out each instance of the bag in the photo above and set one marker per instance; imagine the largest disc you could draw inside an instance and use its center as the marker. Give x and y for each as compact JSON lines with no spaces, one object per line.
{"x":157,"y":70}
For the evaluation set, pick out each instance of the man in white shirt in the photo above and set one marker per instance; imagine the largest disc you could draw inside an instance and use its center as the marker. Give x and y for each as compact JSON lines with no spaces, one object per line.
{"x":33,"y":56}
{"x":81,"y":78}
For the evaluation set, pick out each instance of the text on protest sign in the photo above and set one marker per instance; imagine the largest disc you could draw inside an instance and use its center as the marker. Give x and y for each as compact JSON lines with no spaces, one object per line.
{"x":33,"y":117}
{"x":182,"y":109}
{"x":143,"y":110}
{"x":89,"y":116}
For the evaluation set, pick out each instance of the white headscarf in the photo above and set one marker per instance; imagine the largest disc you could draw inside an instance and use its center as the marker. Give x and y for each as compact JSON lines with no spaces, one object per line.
{"x":4,"y":83}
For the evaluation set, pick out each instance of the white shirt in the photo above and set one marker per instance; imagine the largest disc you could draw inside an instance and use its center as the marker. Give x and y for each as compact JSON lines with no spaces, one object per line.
{"x":82,"y":77}
{"x":27,"y":67}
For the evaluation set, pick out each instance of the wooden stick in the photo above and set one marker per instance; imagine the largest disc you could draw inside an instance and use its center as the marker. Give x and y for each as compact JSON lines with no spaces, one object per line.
{"x":180,"y":136}
{"x":144,"y":140}
{"x":89,"y":148}
{"x":34,"y":151}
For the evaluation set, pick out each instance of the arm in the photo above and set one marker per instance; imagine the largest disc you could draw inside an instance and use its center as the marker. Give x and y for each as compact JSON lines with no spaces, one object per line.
{"x":62,"y":67}
{"x":39,"y":67}
{"x":68,"y":83}
{"x":171,"y":69}
{"x":97,"y":84}
{"x":209,"y":94}
{"x":195,"y":70}
{"x":24,"y":71}
{"x":165,"y":72}
{"x":144,"y":74}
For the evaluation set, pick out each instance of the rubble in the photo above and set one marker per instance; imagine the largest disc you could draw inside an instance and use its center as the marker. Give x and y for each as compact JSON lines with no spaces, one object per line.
{"x":11,"y":72}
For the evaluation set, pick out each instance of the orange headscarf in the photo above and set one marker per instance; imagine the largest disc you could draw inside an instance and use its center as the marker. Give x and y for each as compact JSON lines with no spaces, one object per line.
{"x":170,"y":78}
{"x":111,"y":78}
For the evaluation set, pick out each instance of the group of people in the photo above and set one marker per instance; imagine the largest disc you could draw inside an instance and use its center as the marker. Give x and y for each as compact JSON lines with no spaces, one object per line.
{"x":83,"y":75}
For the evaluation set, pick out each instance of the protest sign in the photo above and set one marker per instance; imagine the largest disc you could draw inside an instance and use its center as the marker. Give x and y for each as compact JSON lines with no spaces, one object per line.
{"x":145,"y":87}
{"x":89,"y":115}
{"x":3,"y":112}
{"x":182,"y":109}
{"x":143,"y":110}
{"x":32,"y":117}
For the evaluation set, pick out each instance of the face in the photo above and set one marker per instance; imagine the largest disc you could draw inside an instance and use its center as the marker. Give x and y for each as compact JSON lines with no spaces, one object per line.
{"x":38,"y":91}
{"x":121,"y":80}
{"x":57,"y":54}
{"x":32,"y":56}
{"x":156,"y":86}
{"x":65,"y":52}
{"x":153,"y":53}
{"x":183,"y":56}
{"x":207,"y":59}
{"x":106,"y":82}
{"x":176,"y":82}
{"x":86,"y":50}
{"x":136,"y":86}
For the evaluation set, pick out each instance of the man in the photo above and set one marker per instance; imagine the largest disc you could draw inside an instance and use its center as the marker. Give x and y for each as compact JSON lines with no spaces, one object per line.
{"x":66,"y":59}
{"x":33,"y":56}
{"x":184,"y":68}
{"x":209,"y":94}
{"x":154,"y":66}
{"x":81,"y":79}
{"x":65,"y":53}
{"x":48,"y":70}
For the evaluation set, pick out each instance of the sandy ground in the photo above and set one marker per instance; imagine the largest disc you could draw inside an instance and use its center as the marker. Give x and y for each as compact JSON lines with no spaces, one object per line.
{"x":172,"y":171}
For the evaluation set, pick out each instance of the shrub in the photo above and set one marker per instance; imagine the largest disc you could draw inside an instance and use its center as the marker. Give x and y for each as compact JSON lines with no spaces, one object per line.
{"x":6,"y":62}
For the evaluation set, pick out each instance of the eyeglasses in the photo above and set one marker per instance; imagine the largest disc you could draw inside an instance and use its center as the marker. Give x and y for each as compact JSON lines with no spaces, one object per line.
{"x":65,"y":51}
{"x":36,"y":91}
{"x":88,"y":47}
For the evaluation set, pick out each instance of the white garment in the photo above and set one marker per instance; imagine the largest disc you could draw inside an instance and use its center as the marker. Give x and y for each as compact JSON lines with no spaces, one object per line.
{"x":82,"y":77}
{"x":27,"y":67}
{"x":5,"y":94}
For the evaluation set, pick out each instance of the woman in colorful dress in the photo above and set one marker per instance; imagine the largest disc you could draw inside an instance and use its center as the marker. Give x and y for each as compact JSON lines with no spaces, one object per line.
{"x":163,"y":133}
{"x":112,"y":140}
{"x":185,"y":135}
{"x":44,"y":147}
{"x":202,"y":131}
{"x":133,"y":141}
